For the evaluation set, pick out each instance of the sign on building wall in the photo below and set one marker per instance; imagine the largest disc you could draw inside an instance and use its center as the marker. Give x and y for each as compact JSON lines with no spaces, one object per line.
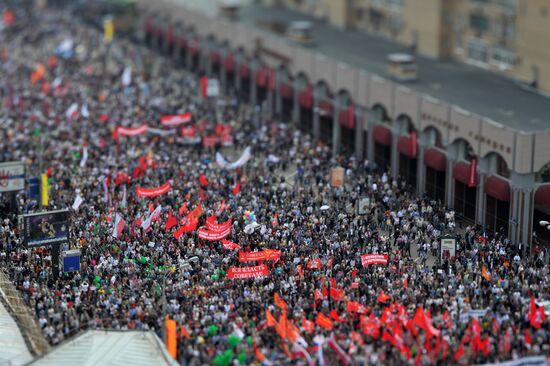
{"x":12,"y":176}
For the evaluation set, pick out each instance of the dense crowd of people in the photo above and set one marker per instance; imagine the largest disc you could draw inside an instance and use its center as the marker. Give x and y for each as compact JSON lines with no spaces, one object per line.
{"x":318,"y":303}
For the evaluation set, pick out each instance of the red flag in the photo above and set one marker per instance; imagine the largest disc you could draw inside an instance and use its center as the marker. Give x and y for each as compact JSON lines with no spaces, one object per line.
{"x":314,"y":264}
{"x":336,"y":294}
{"x":279,"y":302}
{"x":184,"y":333}
{"x":236,"y":188}
{"x":527,"y":336}
{"x":183,"y":209}
{"x":383,"y":297}
{"x":171,"y":221}
{"x":308,"y":326}
{"x":203,"y":181}
{"x":334,"y":316}
{"x":459,"y":352}
{"x":270,"y":318}
{"x":323,"y":321}
{"x":406,"y":282}
{"x":447,"y":319}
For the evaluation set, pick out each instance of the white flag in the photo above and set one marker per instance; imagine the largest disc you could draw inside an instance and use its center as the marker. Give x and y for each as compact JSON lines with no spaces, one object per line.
{"x":127,"y":76}
{"x":146,"y":224}
{"x":84,"y":111}
{"x":77,"y":202}
{"x":72,"y":111}
{"x":84,"y":157}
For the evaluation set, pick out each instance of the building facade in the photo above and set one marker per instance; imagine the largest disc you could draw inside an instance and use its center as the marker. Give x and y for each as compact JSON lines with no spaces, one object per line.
{"x":504,"y":36}
{"x":489,"y":173}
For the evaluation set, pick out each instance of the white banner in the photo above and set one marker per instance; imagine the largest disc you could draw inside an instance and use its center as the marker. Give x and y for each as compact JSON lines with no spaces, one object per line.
{"x":224,"y":164}
{"x":12,"y":176}
{"x":77,"y":202}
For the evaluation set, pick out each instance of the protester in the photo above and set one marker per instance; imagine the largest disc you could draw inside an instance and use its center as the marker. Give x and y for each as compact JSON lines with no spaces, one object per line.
{"x":78,"y":118}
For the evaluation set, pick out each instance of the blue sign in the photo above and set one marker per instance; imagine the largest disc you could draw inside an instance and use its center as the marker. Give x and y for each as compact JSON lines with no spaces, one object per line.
{"x":71,"y":261}
{"x":34,"y":188}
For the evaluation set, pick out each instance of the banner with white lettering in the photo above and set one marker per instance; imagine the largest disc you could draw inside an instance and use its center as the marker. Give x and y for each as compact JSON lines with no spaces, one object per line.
{"x":248,"y":272}
{"x":368,"y":259}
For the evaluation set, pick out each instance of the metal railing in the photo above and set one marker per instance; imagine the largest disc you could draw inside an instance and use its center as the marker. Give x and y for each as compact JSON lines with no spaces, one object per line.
{"x":30,"y":330}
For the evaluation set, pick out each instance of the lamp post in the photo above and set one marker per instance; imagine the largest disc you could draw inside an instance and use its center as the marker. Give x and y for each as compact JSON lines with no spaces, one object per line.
{"x":185,"y":265}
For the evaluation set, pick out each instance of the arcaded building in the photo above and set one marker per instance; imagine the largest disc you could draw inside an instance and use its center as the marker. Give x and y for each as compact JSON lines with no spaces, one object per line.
{"x":471,"y":137}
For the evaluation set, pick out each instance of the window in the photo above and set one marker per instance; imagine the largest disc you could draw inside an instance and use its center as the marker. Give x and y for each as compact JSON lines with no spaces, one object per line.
{"x":503,"y":57}
{"x":479,"y":23}
{"x":477,"y":50}
{"x":395,"y":5}
{"x":505,"y":28}
{"x":481,"y":2}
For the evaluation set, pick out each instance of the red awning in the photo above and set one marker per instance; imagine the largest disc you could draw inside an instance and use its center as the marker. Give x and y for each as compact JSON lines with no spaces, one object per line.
{"x":286,"y":90}
{"x":404,"y":147}
{"x":461,"y":172}
{"x":148,"y":25}
{"x":542,"y":195}
{"x":261,"y":76}
{"x":170,"y":34}
{"x":435,"y":159}
{"x":325,"y":108}
{"x":381,"y":134}
{"x":229,"y":62}
{"x":498,"y":188}
{"x":215,"y":58}
{"x":306,"y":97}
{"x":195,"y":46}
{"x":347,"y":118}
{"x":182,"y":42}
{"x":244,"y":71}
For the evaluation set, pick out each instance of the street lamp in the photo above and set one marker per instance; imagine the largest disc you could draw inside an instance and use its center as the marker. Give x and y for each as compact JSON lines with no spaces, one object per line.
{"x":544,"y":223}
{"x":185,"y":265}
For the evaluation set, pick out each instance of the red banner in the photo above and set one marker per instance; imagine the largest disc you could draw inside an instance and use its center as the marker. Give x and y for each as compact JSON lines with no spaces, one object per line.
{"x":176,"y":120}
{"x":368,"y":259}
{"x":263,"y":255}
{"x":229,"y":245}
{"x":125,"y":131}
{"x":152,"y":192}
{"x":248,"y":272}
{"x":211,"y":225}
{"x":206,"y":234}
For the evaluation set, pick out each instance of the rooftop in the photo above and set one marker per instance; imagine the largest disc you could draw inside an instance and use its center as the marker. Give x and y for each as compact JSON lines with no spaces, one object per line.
{"x":482,"y":92}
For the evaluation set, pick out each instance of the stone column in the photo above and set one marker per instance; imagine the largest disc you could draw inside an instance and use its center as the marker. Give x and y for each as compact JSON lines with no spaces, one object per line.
{"x":296,"y":107}
{"x":223,"y":74}
{"x":420,"y":166}
{"x":396,"y":133}
{"x":208,"y":62}
{"x":253,"y":85}
{"x":370,"y":137}
{"x":270,"y":93}
{"x":521,"y":208}
{"x":316,"y":120}
{"x":237,"y":65}
{"x":359,"y":133}
{"x":452,"y":156}
{"x":481,"y":198}
{"x":278,"y":97}
{"x":336,"y":127}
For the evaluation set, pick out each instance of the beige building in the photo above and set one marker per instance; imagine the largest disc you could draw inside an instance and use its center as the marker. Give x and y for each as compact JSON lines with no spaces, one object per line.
{"x":505,"y":36}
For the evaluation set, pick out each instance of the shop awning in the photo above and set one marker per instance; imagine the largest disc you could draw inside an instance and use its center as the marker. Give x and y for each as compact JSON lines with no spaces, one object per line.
{"x":306,"y":97}
{"x":461,"y":172}
{"x":542,"y":195}
{"x":498,"y":188}
{"x":215,"y":58}
{"x":261,"y":76}
{"x":405,"y":146}
{"x":435,"y":159}
{"x":382,"y":134}
{"x":346,"y":117}
{"x":229,"y":62}
{"x":286,"y":90}
{"x":325,"y":108}
{"x":244,"y":71}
